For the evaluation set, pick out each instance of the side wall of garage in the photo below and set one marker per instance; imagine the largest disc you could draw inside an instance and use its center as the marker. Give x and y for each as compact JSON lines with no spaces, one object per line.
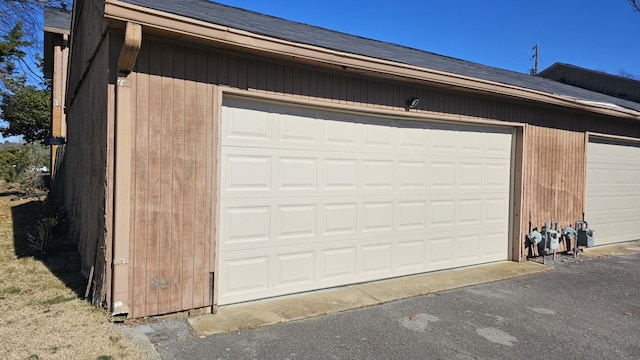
{"x":174,"y":167}
{"x":88,"y":154}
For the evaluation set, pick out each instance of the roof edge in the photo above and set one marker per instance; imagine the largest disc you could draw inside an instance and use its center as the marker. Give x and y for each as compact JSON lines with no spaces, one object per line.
{"x":189,"y":27}
{"x":559,"y":65}
{"x":56,"y":30}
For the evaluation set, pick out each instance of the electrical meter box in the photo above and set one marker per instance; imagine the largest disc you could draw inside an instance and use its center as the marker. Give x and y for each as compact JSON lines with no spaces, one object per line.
{"x":585,"y":235}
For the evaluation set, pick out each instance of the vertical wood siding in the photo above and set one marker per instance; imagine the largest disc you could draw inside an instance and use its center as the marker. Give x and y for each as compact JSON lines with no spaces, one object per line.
{"x":87,"y":39}
{"x":174,"y":160}
{"x":85,"y":168}
{"x":58,"y":88}
{"x":554,"y":179}
{"x":173,"y":177}
{"x":85,"y":173}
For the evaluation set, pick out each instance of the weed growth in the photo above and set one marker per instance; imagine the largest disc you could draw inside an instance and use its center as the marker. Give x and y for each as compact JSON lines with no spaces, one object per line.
{"x":44,"y":238}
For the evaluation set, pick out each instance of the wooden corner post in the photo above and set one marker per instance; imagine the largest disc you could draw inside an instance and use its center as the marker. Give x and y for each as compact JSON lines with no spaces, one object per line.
{"x":122,"y":182}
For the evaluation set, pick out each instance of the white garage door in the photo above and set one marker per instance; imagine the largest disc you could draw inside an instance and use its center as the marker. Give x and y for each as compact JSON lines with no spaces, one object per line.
{"x":312,"y":198}
{"x":612,"y":206}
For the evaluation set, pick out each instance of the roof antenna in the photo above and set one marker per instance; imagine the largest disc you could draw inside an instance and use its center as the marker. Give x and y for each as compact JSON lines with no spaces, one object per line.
{"x":534,"y":71}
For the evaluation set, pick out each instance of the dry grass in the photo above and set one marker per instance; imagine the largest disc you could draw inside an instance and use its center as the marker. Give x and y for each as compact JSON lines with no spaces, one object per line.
{"x":41,"y":314}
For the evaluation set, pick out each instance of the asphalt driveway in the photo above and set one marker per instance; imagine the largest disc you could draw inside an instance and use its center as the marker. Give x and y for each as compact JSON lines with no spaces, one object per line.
{"x":587,"y":308}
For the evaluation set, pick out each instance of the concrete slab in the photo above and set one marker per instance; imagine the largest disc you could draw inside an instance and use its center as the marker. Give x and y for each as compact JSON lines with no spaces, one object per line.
{"x":625,"y":248}
{"x":300,"y":306}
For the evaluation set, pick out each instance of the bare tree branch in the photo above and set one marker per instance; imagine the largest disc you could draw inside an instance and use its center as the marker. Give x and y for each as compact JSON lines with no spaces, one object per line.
{"x":635,"y":4}
{"x":30,"y":14}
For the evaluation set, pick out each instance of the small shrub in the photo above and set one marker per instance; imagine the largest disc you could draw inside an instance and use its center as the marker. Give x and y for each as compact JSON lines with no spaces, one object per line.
{"x":44,"y":238}
{"x":21,"y":164}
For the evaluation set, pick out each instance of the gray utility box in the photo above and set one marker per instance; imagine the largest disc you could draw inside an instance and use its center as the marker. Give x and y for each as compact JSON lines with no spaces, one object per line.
{"x":585,"y":235}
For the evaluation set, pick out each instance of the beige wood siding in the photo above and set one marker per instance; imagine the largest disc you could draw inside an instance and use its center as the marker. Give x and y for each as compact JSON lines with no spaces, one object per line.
{"x":554,"y":179}
{"x":58,"y":89}
{"x":174,"y":156}
{"x":173,"y":181}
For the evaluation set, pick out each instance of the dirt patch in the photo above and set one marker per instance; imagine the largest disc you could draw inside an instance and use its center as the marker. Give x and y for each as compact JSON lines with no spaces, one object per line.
{"x":42,"y":314}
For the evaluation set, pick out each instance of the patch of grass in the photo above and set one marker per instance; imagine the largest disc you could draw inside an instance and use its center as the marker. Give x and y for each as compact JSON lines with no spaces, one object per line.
{"x":56,"y":300}
{"x":11,"y":290}
{"x":39,"y":296}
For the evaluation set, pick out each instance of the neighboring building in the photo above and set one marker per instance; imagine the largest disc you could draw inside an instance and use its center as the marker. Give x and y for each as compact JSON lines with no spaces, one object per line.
{"x":618,"y":86}
{"x":57,"y":25}
{"x":217,"y":155}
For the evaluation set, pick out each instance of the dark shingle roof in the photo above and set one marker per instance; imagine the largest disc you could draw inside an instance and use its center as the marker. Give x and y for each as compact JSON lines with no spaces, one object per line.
{"x":311,"y":35}
{"x":602,"y":82}
{"x":57,"y":18}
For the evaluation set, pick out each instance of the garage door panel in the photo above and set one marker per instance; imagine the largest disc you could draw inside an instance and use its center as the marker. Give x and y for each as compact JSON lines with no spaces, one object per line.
{"x":296,"y":221}
{"x":441,"y":250}
{"x":297,"y":173}
{"x":242,"y":224}
{"x":340,"y":174}
{"x":250,"y":174}
{"x":469,"y":212}
{"x":492,"y":246}
{"x":412,"y":174}
{"x":378,"y":174}
{"x":338,"y":265}
{"x":295,"y":269}
{"x":341,"y":133}
{"x":497,"y":144}
{"x":412,"y":139}
{"x":411,"y":215}
{"x":470,"y":247}
{"x":410,"y":255}
{"x":246,"y":126}
{"x":497,"y":175}
{"x":332,"y":199}
{"x":245,"y":276}
{"x":339,"y":218}
{"x":354,"y":133}
{"x":376,"y":259}
{"x":247,"y":172}
{"x":612,"y":205}
{"x":379,"y":137}
{"x":277,"y":221}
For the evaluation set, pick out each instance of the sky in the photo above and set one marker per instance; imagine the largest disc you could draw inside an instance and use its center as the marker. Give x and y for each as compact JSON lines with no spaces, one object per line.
{"x":599,"y":35}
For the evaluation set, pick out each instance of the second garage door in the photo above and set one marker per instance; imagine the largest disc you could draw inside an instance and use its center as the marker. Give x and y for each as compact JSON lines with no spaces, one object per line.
{"x":613,"y":190}
{"x":311,"y":198}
